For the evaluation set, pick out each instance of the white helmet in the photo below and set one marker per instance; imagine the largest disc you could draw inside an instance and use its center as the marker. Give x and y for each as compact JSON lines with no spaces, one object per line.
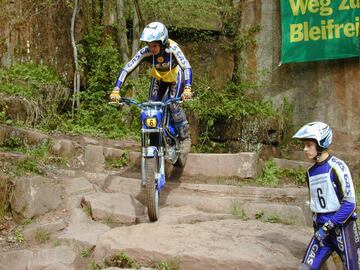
{"x":155,"y":31}
{"x":318,"y":131}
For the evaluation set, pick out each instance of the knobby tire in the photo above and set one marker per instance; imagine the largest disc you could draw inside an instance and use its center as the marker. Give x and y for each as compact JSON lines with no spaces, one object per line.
{"x":152,"y":194}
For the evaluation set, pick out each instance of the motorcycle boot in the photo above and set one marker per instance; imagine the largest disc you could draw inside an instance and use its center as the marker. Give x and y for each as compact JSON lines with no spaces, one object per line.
{"x":184,"y":137}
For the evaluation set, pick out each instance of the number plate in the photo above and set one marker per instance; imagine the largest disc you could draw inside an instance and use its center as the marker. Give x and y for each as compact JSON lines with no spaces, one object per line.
{"x":151,"y":122}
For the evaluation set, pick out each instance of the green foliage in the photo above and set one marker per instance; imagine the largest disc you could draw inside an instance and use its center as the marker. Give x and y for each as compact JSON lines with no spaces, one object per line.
{"x":232,"y":181}
{"x":272,"y":175}
{"x":286,"y":119}
{"x":191,"y":34}
{"x":232,"y":103}
{"x":100,"y":59}
{"x":93,"y":266}
{"x":19,"y":235}
{"x":193,"y":12}
{"x":12,"y":144}
{"x":36,"y":157}
{"x":56,"y":243}
{"x":5,"y":192}
{"x":295,"y":175}
{"x":235,"y":104}
{"x":247,"y":37}
{"x":42,"y":236}
{"x":87,"y":209}
{"x":237,"y":210}
{"x":167,"y":265}
{"x":273,"y":219}
{"x":259,"y":215}
{"x":122,"y":161}
{"x":109,"y":220}
{"x":36,"y":89}
{"x":122,"y":260}
{"x":26,"y":79}
{"x":26,"y":221}
{"x":86,"y":252}
{"x":100,"y":62}
{"x":4,"y":119}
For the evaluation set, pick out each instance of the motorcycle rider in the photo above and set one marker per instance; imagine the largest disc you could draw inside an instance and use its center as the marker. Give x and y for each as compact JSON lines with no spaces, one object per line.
{"x":169,"y":70}
{"x":332,"y":202}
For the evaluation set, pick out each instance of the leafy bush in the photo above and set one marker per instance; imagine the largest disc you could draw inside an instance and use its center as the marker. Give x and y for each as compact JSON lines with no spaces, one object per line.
{"x":26,"y":79}
{"x":234,"y":105}
{"x":122,"y":260}
{"x":101,"y":64}
{"x":167,"y":265}
{"x":121,"y":162}
{"x":35,"y":91}
{"x":295,"y":175}
{"x":272,"y":175}
{"x":36,"y":157}
{"x":12,"y":144}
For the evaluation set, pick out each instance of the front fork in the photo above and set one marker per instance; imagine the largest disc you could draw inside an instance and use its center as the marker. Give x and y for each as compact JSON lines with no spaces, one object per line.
{"x":144,"y":155}
{"x":147,"y":151}
{"x":143,"y":173}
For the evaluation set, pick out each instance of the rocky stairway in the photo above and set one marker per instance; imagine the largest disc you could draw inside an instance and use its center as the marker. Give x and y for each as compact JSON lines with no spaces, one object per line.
{"x":88,"y":213}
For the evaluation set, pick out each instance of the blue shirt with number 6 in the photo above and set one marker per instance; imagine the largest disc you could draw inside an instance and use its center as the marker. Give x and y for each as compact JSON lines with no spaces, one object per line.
{"x":332,"y":194}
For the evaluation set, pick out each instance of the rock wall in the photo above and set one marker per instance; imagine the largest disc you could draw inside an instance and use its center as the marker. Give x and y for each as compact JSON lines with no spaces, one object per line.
{"x":38,"y":31}
{"x":320,"y":91}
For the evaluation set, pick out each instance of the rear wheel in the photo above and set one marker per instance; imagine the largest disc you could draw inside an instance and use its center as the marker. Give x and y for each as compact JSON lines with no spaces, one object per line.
{"x":185,"y":147}
{"x":152,"y":192}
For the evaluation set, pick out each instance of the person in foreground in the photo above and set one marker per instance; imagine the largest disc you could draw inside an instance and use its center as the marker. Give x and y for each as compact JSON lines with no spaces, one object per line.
{"x":170,"y":71}
{"x":332,"y":202}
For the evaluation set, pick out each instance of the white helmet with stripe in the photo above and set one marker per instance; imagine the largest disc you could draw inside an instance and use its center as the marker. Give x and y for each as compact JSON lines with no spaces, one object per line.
{"x":155,"y":31}
{"x":318,"y":131}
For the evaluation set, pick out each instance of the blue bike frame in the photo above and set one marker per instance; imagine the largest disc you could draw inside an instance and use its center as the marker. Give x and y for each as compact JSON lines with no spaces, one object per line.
{"x":157,"y":131}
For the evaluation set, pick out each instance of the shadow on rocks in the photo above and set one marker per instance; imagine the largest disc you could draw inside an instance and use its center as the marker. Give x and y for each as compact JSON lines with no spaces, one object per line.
{"x":296,"y":248}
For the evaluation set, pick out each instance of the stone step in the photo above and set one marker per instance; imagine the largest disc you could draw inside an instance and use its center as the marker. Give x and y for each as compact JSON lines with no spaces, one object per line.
{"x":55,"y":258}
{"x":292,"y":164}
{"x":243,"y":165}
{"x":286,"y":204}
{"x":215,"y":244}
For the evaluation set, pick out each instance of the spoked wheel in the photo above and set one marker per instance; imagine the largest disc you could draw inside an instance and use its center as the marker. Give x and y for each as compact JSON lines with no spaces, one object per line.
{"x":152,"y":192}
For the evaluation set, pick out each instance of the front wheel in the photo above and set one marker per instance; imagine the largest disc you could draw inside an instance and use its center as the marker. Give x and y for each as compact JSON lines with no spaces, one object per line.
{"x":152,"y":192}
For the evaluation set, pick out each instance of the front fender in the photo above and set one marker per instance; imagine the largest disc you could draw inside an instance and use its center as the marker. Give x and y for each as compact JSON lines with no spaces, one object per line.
{"x":151,"y":151}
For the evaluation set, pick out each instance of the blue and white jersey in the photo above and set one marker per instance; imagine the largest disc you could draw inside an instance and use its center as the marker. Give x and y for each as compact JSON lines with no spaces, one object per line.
{"x":332,"y":194}
{"x":164,"y":65}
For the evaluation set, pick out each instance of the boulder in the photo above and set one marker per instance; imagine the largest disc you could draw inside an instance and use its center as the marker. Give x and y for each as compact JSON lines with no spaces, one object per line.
{"x":34,"y":196}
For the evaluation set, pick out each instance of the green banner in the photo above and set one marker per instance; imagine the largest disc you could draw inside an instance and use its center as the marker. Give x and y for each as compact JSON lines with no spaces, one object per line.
{"x":315,"y":30}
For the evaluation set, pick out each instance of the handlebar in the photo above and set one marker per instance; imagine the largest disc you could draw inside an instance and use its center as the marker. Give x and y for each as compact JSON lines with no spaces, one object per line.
{"x":150,"y":103}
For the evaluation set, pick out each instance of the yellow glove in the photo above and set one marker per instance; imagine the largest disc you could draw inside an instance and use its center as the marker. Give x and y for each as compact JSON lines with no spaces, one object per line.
{"x":187,"y":94}
{"x":115,"y":95}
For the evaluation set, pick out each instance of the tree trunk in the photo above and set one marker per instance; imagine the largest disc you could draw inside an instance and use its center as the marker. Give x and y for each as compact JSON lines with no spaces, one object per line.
{"x":136,"y":39}
{"x":122,"y":30}
{"x":75,"y":101}
{"x":139,"y":14}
